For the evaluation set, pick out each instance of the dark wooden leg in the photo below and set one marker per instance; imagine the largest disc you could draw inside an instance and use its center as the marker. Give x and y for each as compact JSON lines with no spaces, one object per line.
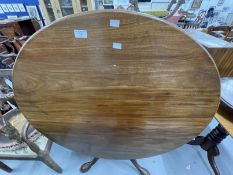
{"x":142,"y":171}
{"x":210,"y":143}
{"x":87,"y":166}
{"x":211,"y":154}
{"x":42,"y":155}
{"x":197,"y":141}
{"x":4,"y":167}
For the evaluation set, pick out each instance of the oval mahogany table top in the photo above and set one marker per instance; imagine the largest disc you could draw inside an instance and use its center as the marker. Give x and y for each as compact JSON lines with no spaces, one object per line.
{"x":116,"y":85}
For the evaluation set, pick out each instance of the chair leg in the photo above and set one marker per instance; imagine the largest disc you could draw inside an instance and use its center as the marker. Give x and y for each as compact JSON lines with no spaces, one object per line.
{"x":142,"y":170}
{"x":42,"y":155}
{"x":4,"y":167}
{"x":46,"y":159}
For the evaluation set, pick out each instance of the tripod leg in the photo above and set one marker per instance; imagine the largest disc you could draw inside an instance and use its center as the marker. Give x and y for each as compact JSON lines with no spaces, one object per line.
{"x":142,"y":171}
{"x":4,"y":167}
{"x":86,"y":166}
{"x":210,"y":142}
{"x":211,"y":153}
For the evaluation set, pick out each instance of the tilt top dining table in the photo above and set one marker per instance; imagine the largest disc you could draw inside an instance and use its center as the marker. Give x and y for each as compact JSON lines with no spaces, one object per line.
{"x":116,"y":84}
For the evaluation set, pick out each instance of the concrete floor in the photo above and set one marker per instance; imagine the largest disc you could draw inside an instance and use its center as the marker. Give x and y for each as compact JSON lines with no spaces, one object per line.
{"x":186,"y":160}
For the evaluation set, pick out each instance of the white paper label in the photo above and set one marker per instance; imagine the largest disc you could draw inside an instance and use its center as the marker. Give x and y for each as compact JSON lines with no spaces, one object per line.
{"x":116,"y":45}
{"x":114,"y":23}
{"x":80,"y":34}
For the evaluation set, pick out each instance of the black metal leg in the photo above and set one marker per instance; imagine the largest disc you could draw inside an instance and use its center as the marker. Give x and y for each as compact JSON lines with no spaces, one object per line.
{"x":87,"y":166}
{"x":209,"y":143}
{"x":142,"y":170}
{"x":4,"y":167}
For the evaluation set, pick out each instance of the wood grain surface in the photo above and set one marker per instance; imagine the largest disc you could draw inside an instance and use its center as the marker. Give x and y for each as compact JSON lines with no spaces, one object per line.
{"x":154,"y":94}
{"x":223,"y":58}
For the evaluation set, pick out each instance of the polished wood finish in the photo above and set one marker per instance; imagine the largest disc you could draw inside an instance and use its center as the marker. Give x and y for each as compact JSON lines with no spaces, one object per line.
{"x":147,"y":98}
{"x":223,"y":58}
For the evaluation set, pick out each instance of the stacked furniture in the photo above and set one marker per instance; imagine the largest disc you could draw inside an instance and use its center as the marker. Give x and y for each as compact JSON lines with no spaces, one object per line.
{"x":13,"y":34}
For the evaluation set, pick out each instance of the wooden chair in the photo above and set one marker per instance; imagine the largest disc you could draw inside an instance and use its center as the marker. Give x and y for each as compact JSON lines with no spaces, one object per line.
{"x":224,"y":32}
{"x":27,"y":143}
{"x":24,"y":142}
{"x":6,"y":92}
{"x":197,"y":22}
{"x":184,"y":17}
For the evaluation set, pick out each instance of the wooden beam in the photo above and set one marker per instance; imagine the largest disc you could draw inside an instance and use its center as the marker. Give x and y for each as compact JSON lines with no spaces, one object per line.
{"x":56,"y":8}
{"x":90,"y":5}
{"x":44,"y":12}
{"x":76,"y":6}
